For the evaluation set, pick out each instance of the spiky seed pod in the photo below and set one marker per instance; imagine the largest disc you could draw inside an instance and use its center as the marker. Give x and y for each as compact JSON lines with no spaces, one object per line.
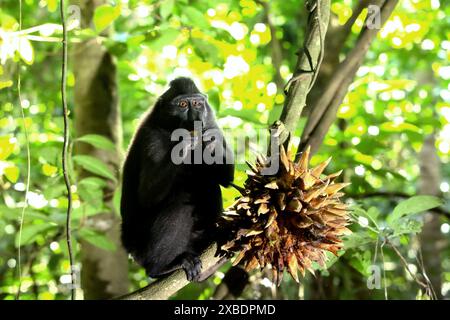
{"x":289,"y":220}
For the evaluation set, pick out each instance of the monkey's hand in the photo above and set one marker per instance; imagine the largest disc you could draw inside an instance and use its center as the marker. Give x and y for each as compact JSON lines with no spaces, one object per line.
{"x":213,"y":140}
{"x":192,"y":265}
{"x":188,"y":147}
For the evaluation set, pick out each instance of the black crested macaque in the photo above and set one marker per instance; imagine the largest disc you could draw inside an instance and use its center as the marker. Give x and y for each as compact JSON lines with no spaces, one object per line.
{"x":169,"y":207}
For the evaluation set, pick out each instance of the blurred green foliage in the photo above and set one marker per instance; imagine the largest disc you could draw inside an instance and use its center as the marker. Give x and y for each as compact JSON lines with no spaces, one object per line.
{"x":401,"y":94}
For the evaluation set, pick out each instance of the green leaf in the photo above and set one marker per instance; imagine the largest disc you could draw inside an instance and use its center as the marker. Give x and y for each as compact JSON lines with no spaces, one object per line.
{"x":166,"y":8}
{"x":104,"y":15}
{"x":98,"y":141}
{"x":399,"y":128}
{"x":359,"y":239}
{"x":30,"y":232}
{"x":413,"y":205}
{"x":52,"y":5}
{"x":91,"y":194}
{"x":95,"y":166}
{"x":373,"y":213}
{"x":57,"y":189}
{"x":93,"y":182}
{"x":97,"y":239}
{"x":87,"y":210}
{"x":12,"y":173}
{"x":168,"y":36}
{"x":196,"y":17}
{"x":406,"y":226}
{"x":35,"y":215}
{"x":6,"y":147}
{"x":206,"y":50}
{"x":361,"y":261}
{"x":5,"y":84}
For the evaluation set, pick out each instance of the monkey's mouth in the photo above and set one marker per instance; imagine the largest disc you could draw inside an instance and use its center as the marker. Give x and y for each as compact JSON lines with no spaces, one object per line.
{"x":191,"y":126}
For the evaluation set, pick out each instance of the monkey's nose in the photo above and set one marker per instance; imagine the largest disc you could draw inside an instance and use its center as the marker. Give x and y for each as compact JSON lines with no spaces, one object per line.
{"x":194,"y":115}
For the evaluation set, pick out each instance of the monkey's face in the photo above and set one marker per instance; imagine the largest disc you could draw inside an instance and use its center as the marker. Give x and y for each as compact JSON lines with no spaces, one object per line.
{"x":188,"y":108}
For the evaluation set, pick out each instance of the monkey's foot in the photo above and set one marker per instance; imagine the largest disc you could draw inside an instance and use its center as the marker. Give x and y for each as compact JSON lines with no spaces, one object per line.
{"x":192,"y":265}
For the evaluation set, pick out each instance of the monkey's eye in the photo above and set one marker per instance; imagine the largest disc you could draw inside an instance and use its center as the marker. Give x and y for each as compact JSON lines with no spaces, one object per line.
{"x":183,"y":104}
{"x":196,"y":103}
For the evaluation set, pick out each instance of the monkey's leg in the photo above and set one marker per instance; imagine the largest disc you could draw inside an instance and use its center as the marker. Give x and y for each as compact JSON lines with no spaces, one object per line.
{"x":169,"y":243}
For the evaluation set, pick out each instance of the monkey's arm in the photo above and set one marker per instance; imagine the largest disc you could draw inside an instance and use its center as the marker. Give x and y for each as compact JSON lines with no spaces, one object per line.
{"x":222,"y":171}
{"x":158,"y":173}
{"x":226,"y":170}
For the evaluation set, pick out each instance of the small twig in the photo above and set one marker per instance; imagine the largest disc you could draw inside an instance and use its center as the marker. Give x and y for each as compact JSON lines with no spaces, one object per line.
{"x":432,"y":292}
{"x":405,"y":264}
{"x":65,"y":149}
{"x":384,"y":271}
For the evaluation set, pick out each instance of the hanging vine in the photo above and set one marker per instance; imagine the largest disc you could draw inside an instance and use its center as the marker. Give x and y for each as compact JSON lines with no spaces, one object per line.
{"x":27,"y":143}
{"x":65,"y":149}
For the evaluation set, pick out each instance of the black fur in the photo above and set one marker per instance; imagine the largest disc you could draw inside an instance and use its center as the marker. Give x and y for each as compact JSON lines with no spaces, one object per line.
{"x":169,"y":211}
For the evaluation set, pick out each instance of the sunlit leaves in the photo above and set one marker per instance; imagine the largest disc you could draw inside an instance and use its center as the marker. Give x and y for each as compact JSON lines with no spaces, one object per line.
{"x":166,"y":8}
{"x":7,"y":145}
{"x":205,"y":49}
{"x":166,"y":36}
{"x":25,"y":50}
{"x":5,"y":84}
{"x":105,"y":15}
{"x":399,"y":127}
{"x":49,"y":170}
{"x":195,"y":17}
{"x":342,"y":11}
{"x":52,"y":5}
{"x":11,"y":172}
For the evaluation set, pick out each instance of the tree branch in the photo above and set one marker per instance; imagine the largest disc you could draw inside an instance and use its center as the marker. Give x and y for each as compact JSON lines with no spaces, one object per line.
{"x":324,"y":111}
{"x":163,"y":288}
{"x":307,"y":66}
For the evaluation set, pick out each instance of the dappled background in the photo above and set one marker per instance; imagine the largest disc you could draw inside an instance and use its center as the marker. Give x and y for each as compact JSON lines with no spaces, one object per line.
{"x":391,"y":135}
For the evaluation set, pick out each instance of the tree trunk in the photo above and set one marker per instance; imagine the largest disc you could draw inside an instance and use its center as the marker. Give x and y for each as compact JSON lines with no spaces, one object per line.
{"x":431,"y":238}
{"x":104,"y":273}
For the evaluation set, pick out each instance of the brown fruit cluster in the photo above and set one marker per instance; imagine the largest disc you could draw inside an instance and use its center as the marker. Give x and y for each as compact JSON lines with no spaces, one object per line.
{"x":289,"y":220}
